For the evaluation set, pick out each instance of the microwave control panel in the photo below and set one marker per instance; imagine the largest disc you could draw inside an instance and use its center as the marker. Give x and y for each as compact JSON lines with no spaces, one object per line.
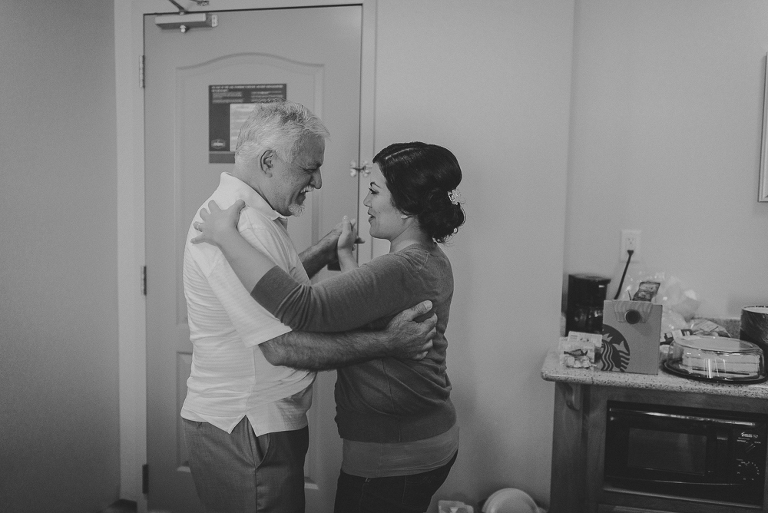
{"x":749,"y":453}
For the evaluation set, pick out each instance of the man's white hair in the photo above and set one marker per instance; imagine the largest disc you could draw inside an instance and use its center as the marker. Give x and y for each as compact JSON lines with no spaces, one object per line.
{"x":278,"y":126}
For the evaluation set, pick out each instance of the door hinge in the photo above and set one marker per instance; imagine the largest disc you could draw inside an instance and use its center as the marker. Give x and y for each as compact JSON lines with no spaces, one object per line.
{"x":144,"y":280}
{"x":141,"y":72}
{"x":145,"y":479}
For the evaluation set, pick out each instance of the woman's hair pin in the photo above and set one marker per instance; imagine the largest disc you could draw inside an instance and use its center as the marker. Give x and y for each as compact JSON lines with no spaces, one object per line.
{"x":454,"y":196}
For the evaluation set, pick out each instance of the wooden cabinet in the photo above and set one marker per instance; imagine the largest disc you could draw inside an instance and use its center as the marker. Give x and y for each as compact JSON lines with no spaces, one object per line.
{"x":578,"y":448}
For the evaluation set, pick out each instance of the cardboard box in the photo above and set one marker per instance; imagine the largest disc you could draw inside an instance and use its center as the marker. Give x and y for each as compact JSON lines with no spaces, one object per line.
{"x":631,"y":335}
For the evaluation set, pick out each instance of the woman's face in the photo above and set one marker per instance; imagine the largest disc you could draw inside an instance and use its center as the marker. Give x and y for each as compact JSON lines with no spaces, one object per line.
{"x":386,"y":221}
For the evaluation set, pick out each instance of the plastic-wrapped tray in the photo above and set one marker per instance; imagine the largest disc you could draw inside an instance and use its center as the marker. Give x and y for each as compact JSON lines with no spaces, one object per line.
{"x":722,"y":359}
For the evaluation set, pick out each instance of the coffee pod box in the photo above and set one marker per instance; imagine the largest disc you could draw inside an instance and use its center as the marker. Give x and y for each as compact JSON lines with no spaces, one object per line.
{"x":631,"y":334}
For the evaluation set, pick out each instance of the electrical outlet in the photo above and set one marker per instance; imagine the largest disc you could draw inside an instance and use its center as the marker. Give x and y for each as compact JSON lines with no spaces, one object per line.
{"x":630,"y":239}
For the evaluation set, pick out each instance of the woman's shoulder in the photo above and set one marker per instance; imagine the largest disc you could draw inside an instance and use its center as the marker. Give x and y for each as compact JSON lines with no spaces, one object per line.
{"x":424,"y":252}
{"x":418,"y":257}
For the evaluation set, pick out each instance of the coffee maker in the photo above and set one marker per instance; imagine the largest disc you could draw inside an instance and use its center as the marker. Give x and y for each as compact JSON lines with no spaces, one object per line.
{"x":584,"y":303}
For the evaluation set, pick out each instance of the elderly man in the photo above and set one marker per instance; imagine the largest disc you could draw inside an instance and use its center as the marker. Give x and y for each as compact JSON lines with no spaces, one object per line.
{"x":250,"y":386}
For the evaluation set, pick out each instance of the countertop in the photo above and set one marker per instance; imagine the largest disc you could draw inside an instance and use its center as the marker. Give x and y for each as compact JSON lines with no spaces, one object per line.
{"x":553,"y":370}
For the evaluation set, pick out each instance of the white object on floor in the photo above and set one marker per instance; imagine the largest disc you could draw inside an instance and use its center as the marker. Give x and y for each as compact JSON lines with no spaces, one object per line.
{"x":511,"y":500}
{"x":453,"y":507}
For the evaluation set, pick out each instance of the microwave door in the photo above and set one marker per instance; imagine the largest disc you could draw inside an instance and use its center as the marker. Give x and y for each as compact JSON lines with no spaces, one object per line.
{"x":660,"y":448}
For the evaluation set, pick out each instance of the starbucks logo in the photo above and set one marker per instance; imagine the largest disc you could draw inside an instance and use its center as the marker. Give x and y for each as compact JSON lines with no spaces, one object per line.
{"x":615,"y":350}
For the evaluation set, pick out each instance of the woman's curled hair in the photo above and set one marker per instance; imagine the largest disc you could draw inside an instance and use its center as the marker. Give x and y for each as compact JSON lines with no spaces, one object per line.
{"x":423,"y":179}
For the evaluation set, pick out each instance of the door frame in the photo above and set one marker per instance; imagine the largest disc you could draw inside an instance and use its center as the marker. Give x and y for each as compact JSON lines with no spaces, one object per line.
{"x":131,"y":304}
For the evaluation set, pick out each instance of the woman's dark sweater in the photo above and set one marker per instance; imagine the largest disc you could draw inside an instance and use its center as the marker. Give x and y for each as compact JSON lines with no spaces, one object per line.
{"x":388,"y":399}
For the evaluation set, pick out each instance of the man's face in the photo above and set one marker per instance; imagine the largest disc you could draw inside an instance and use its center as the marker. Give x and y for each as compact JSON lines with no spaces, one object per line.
{"x":293,"y":180}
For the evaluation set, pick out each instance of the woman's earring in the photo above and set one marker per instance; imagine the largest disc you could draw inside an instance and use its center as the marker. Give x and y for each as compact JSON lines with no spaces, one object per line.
{"x":403,"y":216}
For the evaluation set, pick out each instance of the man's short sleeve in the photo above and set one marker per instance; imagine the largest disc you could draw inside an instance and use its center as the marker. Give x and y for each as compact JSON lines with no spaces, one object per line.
{"x":253,"y":323}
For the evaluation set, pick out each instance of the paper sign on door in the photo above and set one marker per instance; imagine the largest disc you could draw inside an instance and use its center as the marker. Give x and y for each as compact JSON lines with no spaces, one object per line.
{"x":228,"y":108}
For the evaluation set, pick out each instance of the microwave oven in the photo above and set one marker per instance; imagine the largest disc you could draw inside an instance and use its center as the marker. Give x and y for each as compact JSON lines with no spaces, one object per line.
{"x":687,"y":453}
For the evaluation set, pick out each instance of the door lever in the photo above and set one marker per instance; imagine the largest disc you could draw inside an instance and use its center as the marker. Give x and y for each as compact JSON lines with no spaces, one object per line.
{"x":354,"y":169}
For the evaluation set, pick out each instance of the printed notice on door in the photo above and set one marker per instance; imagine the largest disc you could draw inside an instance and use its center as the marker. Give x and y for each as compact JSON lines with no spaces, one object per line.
{"x":228,"y":108}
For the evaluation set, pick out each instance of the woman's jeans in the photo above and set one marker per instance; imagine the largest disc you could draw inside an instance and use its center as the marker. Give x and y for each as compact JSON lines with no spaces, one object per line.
{"x":399,"y":494}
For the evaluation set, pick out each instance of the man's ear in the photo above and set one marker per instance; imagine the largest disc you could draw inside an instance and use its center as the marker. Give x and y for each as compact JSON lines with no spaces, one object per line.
{"x":266,"y":162}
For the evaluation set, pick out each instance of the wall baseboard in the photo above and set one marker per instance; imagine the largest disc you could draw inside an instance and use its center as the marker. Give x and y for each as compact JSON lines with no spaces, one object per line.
{"x":121,"y":506}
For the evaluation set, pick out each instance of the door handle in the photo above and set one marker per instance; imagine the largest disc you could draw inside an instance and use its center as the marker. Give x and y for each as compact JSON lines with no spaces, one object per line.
{"x":354,"y":169}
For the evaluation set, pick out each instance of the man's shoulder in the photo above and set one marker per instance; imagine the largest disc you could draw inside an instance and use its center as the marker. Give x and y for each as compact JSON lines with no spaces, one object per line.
{"x":252,"y":217}
{"x":255,"y":224}
{"x":257,"y":219}
{"x":272,"y":238}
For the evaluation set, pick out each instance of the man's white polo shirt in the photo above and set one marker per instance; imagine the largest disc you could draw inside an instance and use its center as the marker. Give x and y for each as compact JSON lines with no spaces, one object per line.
{"x":230,"y":377}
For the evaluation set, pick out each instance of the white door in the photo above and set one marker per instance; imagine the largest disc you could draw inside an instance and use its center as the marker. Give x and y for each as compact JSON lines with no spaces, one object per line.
{"x":312,"y":56}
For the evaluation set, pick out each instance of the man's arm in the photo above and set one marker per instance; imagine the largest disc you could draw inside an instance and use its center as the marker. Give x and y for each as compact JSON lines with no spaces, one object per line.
{"x":346,"y":244}
{"x":321,"y":254}
{"x":402,"y":338}
{"x":324,"y":252}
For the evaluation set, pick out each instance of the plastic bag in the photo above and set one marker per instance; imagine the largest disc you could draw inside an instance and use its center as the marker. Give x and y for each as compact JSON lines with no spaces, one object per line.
{"x":679,"y":304}
{"x":679,"y":300}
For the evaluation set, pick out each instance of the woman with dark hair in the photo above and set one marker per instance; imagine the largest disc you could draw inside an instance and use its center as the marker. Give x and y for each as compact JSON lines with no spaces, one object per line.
{"x":396,"y":418}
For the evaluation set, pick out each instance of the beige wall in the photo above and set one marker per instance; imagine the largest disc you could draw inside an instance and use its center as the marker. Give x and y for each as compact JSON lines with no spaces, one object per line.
{"x":58,"y":306}
{"x":665,"y":138}
{"x":491,"y":81}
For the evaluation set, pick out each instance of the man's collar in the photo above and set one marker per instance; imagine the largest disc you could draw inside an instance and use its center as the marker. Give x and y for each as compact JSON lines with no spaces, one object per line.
{"x":253,"y":199}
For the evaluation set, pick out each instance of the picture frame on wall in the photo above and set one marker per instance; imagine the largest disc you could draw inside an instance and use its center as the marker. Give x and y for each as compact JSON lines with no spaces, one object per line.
{"x":762,"y":194}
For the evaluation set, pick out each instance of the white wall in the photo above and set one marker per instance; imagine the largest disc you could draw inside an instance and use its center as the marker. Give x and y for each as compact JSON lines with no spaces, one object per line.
{"x":665,"y":138}
{"x":491,"y":81}
{"x":58,"y":308}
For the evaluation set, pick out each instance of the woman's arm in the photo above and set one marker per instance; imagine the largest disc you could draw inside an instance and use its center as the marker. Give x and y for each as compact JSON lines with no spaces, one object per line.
{"x":379,"y":289}
{"x":343,"y":302}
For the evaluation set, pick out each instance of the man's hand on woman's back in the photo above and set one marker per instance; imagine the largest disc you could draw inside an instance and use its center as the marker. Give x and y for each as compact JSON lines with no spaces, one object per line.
{"x":409,"y":338}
